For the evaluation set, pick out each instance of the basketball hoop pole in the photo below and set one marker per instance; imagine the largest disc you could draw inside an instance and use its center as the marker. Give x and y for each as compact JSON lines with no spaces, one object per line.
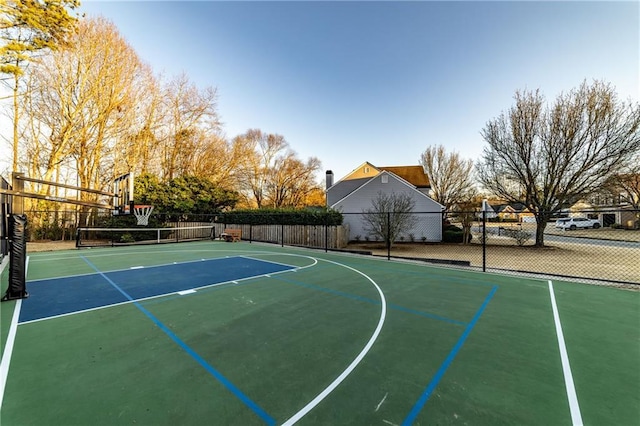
{"x":17,"y":185}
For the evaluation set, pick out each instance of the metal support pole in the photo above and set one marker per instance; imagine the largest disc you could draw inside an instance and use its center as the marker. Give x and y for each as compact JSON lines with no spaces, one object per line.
{"x":17,"y":185}
{"x":388,"y":235}
{"x":484,"y":241}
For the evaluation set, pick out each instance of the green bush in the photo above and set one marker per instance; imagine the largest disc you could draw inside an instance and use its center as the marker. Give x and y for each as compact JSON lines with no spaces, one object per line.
{"x":48,"y":231}
{"x":127,"y":221}
{"x":127,"y":238}
{"x":454,"y":236}
{"x":281,"y":217}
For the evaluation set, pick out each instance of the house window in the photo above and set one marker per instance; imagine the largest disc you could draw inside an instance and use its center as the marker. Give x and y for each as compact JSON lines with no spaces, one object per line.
{"x":384,"y":178}
{"x":366,"y":169}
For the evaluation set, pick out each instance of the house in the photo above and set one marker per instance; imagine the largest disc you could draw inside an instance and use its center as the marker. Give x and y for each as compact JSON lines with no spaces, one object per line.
{"x":354,"y":194}
{"x":607,"y":214}
{"x":513,"y":212}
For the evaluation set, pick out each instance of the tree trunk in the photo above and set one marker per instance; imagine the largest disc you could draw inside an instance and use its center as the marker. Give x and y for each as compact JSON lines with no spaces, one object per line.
{"x":540,"y":226}
{"x":541,"y":223}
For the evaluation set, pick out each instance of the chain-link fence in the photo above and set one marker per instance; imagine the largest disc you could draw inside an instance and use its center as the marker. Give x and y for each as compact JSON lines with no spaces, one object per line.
{"x":604,"y":246}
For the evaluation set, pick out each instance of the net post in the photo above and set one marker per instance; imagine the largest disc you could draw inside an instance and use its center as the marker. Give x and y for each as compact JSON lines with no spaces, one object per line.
{"x":17,"y":259}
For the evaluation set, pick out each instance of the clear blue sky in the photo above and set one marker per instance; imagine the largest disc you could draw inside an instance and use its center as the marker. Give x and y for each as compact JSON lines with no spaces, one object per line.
{"x":350,"y":82}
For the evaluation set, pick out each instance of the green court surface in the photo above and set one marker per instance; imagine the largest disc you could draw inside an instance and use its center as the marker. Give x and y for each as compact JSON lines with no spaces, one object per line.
{"x":244,"y":334}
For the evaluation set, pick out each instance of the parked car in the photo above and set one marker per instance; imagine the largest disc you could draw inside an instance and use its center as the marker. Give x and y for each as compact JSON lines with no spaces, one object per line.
{"x":577,"y":222}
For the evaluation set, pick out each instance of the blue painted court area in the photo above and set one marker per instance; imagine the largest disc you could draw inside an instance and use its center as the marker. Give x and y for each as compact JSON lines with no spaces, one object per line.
{"x":59,"y":296}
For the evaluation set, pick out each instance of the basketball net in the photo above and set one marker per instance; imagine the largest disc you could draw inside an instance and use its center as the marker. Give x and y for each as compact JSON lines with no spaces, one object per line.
{"x":142,"y":214}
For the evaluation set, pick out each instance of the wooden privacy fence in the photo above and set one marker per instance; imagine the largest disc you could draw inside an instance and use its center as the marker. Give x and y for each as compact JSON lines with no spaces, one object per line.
{"x":318,"y":236}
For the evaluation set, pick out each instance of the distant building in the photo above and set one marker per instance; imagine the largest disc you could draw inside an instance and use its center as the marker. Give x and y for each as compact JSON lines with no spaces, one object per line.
{"x":355,"y":192}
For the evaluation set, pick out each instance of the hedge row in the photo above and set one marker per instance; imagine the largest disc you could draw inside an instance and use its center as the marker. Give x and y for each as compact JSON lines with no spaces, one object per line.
{"x":454,"y":234}
{"x":281,"y":217}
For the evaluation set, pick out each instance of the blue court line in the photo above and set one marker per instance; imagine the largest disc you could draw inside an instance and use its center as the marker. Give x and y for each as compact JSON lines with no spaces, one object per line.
{"x":372,"y":301}
{"x":215,"y":373}
{"x":417,"y":407}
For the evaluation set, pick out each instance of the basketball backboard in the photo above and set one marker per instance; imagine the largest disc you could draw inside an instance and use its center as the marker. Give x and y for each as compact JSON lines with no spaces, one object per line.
{"x":123,"y":194}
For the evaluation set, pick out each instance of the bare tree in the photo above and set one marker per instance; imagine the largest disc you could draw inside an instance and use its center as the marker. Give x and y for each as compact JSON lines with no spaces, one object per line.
{"x":267,"y":175}
{"x":624,"y":187}
{"x":390,"y":215}
{"x":139,"y":147}
{"x":291,"y":180}
{"x":549,"y":158}
{"x":626,"y":184}
{"x":261,"y":149}
{"x":450,"y":176}
{"x":225,"y":162}
{"x":83,"y":103}
{"x":189,"y":118}
{"x":629,"y":187}
{"x":467,"y":212}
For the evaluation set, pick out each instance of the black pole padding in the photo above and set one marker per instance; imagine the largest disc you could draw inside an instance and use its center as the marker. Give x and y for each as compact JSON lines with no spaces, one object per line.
{"x":17,"y":259}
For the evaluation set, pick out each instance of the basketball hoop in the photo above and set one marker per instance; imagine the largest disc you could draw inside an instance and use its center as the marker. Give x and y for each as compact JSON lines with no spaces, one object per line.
{"x":142,"y":214}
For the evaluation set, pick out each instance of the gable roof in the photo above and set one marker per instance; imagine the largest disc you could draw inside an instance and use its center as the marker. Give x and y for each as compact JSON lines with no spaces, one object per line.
{"x":395,"y":177}
{"x":364,"y":170}
{"x":415,"y":175}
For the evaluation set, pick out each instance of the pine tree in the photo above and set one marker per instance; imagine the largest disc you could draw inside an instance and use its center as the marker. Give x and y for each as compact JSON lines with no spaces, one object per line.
{"x":26,"y":28}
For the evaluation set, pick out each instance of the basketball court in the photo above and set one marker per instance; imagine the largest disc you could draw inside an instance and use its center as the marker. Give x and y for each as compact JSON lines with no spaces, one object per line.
{"x":131,"y":331}
{"x":236,"y":333}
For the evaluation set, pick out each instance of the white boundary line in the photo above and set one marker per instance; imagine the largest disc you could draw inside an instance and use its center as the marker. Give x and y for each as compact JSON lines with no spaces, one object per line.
{"x":576,"y":417}
{"x":315,"y":401}
{"x":11,"y":338}
{"x":8,"y":349}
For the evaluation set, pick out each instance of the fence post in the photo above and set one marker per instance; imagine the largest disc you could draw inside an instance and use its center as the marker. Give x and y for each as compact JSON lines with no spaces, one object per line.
{"x":484,"y":241}
{"x":282,"y":231}
{"x":326,"y":233}
{"x":388,"y":235}
{"x":250,"y":232}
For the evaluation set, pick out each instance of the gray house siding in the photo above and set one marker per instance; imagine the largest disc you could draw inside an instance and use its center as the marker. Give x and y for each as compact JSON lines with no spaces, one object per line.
{"x":343,"y":188}
{"x":428,"y":225}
